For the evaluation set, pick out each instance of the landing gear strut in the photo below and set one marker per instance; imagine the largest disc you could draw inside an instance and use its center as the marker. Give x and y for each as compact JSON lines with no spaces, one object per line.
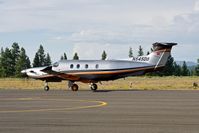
{"x":93,"y":87}
{"x":46,"y":87}
{"x":73,"y":86}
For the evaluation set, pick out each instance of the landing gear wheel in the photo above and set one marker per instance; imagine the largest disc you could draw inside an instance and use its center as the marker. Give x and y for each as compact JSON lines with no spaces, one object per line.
{"x":46,"y":88}
{"x":74,"y":87}
{"x":93,"y":87}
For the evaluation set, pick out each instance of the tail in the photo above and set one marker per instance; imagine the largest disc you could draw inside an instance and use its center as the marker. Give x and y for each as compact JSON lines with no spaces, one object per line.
{"x":160,"y":54}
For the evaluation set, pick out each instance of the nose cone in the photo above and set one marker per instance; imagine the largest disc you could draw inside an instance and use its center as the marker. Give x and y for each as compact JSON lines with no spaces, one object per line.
{"x":23,"y":72}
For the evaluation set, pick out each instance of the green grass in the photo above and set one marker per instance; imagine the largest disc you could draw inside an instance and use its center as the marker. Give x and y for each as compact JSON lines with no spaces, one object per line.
{"x":138,"y":83}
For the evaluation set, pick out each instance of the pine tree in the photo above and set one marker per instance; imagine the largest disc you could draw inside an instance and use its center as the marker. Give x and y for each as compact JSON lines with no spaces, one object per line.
{"x":47,"y":60}
{"x":197,"y":69}
{"x":104,"y":55}
{"x":1,"y":67}
{"x":2,"y":51}
{"x":169,"y":68}
{"x":62,"y":57}
{"x":177,"y":69}
{"x":185,"y":70}
{"x":15,"y":52}
{"x":130,"y":52}
{"x":140,"y":51}
{"x":22,"y":63}
{"x":149,"y":52}
{"x":65,"y":56}
{"x":41,"y":58}
{"x":15,"y":55}
{"x":7,"y":63}
{"x":36,"y":61}
{"x":75,"y":57}
{"x":28,"y":63}
{"x":41,"y":55}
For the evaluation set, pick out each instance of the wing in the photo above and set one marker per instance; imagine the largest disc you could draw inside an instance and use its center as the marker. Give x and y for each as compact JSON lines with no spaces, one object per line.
{"x":60,"y":75}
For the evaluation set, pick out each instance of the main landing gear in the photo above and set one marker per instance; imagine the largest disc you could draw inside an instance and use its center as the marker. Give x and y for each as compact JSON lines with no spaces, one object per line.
{"x":93,"y":87}
{"x":74,"y":87}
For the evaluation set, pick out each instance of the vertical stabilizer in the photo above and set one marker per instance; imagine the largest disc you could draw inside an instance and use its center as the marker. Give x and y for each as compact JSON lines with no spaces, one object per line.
{"x":160,"y":54}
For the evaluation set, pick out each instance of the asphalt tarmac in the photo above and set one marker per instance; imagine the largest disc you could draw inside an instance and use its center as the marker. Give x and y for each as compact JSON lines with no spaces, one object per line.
{"x":35,"y":111}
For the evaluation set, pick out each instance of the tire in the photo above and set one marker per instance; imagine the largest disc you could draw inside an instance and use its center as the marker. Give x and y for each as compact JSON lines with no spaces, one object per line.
{"x":74,"y":87}
{"x":94,"y":87}
{"x":46,"y":88}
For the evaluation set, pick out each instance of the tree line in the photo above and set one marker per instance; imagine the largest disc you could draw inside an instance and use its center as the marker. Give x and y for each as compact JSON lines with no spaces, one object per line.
{"x":13,"y":60}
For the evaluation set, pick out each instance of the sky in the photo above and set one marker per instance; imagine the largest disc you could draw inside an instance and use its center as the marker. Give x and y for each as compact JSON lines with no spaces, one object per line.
{"x":91,"y":26}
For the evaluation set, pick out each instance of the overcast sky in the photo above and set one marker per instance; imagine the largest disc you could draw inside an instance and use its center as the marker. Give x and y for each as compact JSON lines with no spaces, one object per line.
{"x":91,"y":26}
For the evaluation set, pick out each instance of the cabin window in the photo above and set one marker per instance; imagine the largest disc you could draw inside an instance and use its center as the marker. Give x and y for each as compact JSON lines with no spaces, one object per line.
{"x":56,"y":64}
{"x":71,"y":66}
{"x":86,"y":66}
{"x":97,"y":66}
{"x":32,"y":71}
{"x":78,"y":66}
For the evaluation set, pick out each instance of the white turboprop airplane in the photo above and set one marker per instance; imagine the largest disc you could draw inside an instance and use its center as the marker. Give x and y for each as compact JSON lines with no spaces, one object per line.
{"x":94,"y":71}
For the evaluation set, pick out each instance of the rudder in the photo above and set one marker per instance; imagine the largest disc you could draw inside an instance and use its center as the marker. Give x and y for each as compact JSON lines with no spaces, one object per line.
{"x":160,"y":54}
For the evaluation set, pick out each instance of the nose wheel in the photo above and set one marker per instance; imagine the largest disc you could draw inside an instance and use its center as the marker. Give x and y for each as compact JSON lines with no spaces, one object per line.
{"x":93,"y":87}
{"x":46,"y":87}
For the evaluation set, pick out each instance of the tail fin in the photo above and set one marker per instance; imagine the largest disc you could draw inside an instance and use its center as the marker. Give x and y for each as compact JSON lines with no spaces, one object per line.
{"x":160,"y":54}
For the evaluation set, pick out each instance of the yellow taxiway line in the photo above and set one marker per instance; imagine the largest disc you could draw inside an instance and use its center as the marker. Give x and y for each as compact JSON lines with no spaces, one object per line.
{"x":99,"y":104}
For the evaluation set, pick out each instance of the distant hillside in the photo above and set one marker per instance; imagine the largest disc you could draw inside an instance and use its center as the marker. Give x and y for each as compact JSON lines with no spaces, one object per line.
{"x":189,"y":63}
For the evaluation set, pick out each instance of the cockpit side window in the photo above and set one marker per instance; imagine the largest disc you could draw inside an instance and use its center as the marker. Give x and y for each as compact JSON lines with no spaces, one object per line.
{"x":32,"y":71}
{"x":56,"y":64}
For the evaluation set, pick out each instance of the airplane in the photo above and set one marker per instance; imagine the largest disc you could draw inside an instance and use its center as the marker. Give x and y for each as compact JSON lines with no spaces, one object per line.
{"x":95,"y":71}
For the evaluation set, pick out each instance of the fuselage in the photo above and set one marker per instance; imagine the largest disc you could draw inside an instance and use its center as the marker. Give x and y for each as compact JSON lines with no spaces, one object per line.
{"x":100,"y":70}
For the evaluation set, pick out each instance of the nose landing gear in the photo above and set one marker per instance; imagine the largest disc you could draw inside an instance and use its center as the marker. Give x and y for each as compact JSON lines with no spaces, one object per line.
{"x":46,"y":87}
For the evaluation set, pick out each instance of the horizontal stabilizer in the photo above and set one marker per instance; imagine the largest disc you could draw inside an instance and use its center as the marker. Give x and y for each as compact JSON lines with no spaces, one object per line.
{"x":163,"y":45}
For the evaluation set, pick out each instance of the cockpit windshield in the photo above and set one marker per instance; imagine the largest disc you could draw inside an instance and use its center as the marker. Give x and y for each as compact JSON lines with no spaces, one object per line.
{"x":56,"y":64}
